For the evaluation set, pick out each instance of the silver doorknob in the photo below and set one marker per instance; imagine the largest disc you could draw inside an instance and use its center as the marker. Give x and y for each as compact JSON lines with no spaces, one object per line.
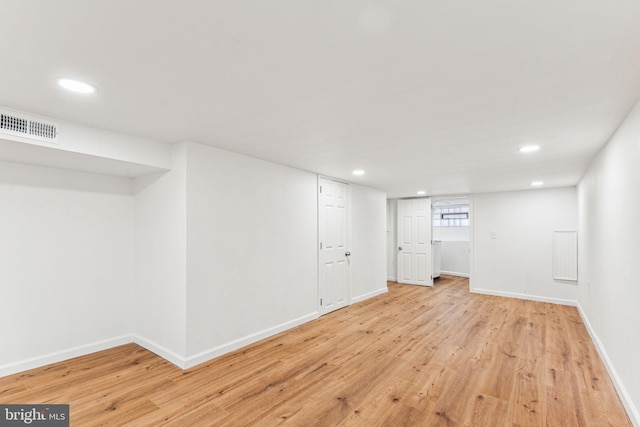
{"x":347,"y":253}
{"x":399,"y":248}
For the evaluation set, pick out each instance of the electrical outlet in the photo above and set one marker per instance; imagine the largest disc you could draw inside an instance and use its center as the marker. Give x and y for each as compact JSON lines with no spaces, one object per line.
{"x":492,"y":234}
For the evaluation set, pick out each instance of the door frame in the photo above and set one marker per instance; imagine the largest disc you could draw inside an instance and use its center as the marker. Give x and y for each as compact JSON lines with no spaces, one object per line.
{"x":471,"y":240}
{"x":469,"y":197}
{"x":321,"y":289}
{"x":429,"y":273}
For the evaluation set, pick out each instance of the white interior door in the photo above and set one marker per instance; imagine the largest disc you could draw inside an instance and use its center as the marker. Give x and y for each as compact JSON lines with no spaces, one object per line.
{"x":414,"y":242}
{"x":333,"y":236}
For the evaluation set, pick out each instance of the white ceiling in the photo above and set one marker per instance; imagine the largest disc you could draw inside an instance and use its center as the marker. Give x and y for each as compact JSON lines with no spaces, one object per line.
{"x":423,"y":95}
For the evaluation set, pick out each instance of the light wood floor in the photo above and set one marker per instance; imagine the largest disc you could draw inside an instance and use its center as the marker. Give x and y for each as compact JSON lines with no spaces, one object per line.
{"x":413,"y":357}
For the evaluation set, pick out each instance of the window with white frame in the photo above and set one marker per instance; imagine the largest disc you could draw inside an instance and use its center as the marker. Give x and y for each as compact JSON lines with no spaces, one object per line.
{"x":451,"y":216}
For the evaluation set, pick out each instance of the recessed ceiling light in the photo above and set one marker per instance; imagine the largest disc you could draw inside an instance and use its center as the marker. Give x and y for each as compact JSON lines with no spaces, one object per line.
{"x":422,"y":193}
{"x":537,"y":183}
{"x":77,"y":86}
{"x":529,"y":148}
{"x":358,"y":172}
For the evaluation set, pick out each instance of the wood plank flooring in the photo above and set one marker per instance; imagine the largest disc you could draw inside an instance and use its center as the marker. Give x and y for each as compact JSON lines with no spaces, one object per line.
{"x":416,"y":356}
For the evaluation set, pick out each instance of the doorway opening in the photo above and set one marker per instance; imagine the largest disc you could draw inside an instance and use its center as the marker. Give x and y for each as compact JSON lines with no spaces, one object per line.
{"x":452,"y":235}
{"x":451,"y":231}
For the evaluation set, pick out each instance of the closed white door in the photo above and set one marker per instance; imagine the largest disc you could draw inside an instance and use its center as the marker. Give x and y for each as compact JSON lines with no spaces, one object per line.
{"x":333,"y":236}
{"x":414,"y":242}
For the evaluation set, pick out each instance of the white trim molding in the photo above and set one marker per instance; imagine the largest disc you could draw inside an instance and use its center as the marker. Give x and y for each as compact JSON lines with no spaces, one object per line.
{"x":161,"y":351}
{"x":369,"y":295}
{"x":632,"y":411}
{"x":59,"y":356}
{"x":453,"y":273}
{"x":207,"y":355}
{"x":524,"y":296}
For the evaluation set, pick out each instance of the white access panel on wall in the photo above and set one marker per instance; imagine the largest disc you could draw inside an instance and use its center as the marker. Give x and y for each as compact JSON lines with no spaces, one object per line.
{"x":333,"y":233}
{"x":414,"y":242}
{"x":565,"y":255}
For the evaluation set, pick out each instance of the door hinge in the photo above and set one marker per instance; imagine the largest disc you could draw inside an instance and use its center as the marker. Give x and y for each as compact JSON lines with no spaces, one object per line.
{"x":320,"y":245}
{"x":320,"y":302}
{"x":321,"y":189}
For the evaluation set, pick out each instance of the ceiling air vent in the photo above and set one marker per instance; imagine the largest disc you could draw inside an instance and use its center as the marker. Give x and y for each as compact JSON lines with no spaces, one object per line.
{"x":28,"y":127}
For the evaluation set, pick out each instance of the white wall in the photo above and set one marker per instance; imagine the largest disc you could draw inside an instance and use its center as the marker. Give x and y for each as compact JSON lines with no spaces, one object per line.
{"x":160,"y":256}
{"x":454,"y":249}
{"x":518,"y":262}
{"x":451,"y":234}
{"x":218,"y":252}
{"x":609,"y":252}
{"x":368,"y":237}
{"x":252,"y":249}
{"x":454,"y":256}
{"x":66,"y":264}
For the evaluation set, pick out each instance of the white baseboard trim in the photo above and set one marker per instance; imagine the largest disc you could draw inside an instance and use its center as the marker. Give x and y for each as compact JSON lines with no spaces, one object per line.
{"x":59,"y":356}
{"x":392,"y":279}
{"x":524,"y":296}
{"x":174,"y":358}
{"x":453,"y":273}
{"x":207,"y":355}
{"x":161,"y":351}
{"x":369,"y":295}
{"x":632,"y":411}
